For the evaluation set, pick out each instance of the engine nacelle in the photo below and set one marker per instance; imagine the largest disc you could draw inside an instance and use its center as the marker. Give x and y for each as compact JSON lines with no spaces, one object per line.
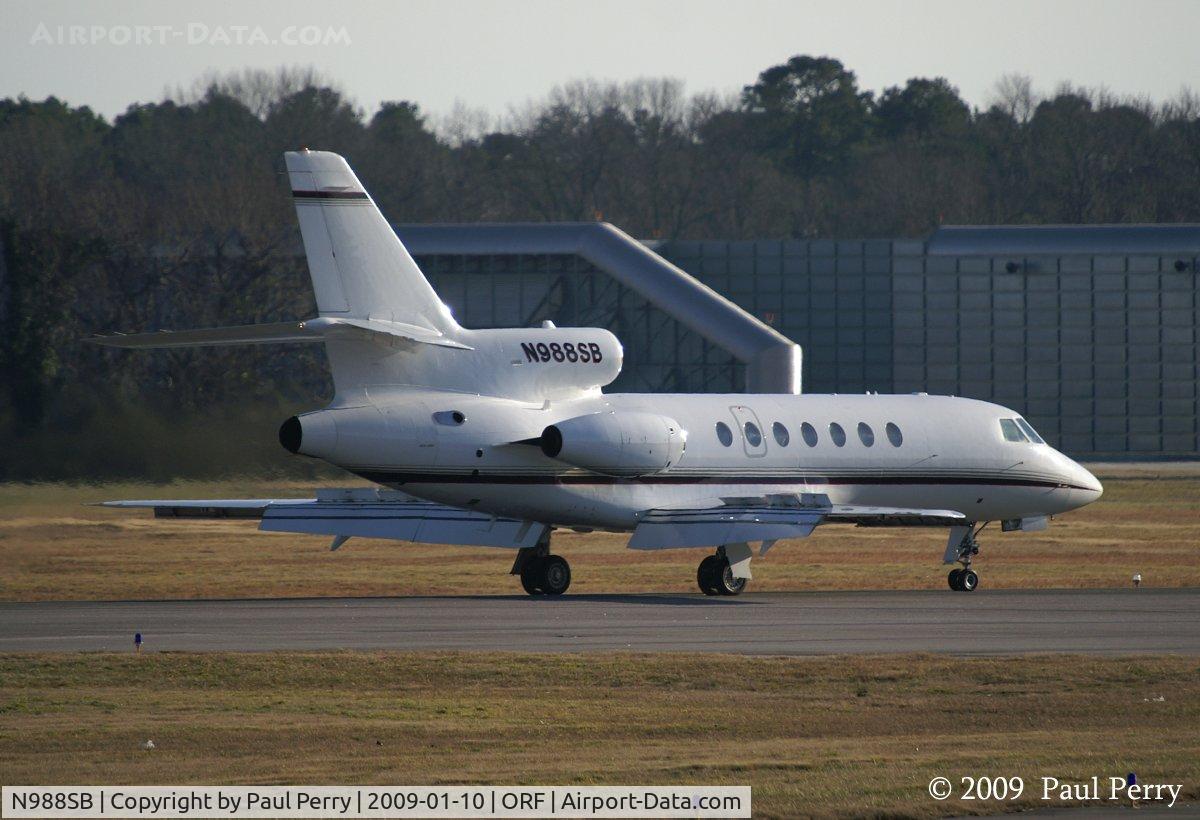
{"x":345,"y":435}
{"x":618,"y":444}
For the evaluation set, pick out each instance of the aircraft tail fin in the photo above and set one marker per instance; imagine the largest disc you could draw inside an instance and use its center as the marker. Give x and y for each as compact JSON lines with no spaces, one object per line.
{"x":359,"y":267}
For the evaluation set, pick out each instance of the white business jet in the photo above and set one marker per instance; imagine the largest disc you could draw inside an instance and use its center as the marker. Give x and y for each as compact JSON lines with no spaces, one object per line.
{"x":497,"y":437}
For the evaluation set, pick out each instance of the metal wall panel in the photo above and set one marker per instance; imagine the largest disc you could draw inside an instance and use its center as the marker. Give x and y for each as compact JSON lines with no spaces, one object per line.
{"x":1099,"y":352}
{"x":1080,"y":344}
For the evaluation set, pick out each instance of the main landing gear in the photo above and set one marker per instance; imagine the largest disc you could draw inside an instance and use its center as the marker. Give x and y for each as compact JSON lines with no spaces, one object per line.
{"x":965,"y":579}
{"x":715,"y":577}
{"x":542,"y":573}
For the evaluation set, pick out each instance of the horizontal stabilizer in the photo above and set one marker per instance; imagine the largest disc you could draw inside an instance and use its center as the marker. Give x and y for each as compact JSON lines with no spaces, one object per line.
{"x":211,"y":337}
{"x":311,"y":330}
{"x":362,"y":513}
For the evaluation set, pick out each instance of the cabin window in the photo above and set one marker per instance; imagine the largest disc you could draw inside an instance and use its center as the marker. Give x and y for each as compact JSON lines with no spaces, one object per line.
{"x":809,"y":434}
{"x":1029,"y":431}
{"x":782,"y":437}
{"x":837,"y":434}
{"x":865,"y":434}
{"x":894,"y":435}
{"x":1011,"y":431}
{"x":724,"y":434}
{"x":753,"y":436}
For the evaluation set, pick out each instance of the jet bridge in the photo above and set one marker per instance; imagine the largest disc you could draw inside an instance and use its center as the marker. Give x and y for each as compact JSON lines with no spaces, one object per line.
{"x":773,"y":361}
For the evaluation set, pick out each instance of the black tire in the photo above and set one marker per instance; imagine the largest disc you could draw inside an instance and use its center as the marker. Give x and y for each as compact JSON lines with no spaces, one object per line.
{"x":555,"y":575}
{"x":531,"y":576}
{"x":706,"y":575}
{"x":968,"y":581}
{"x":726,"y":583}
{"x":955,"y":579}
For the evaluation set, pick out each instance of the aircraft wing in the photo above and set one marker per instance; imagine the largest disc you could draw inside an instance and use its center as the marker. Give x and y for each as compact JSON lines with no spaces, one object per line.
{"x":893,"y":516}
{"x":210,"y":508}
{"x":768,"y":519}
{"x":359,"y":513}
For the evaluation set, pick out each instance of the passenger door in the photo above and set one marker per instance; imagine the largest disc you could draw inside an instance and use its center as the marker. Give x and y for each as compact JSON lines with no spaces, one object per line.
{"x":754,"y":438}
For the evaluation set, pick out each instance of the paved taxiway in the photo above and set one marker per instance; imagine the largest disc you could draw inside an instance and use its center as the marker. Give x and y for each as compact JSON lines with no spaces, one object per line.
{"x":986,"y":622}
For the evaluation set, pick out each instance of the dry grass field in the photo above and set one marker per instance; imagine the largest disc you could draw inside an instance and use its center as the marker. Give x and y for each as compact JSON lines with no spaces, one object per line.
{"x":52,"y":546}
{"x":835,"y":736}
{"x":849,"y":736}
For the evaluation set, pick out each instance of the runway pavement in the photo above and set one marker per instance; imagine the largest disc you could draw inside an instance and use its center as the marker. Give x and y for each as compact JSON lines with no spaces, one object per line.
{"x":981,"y":623}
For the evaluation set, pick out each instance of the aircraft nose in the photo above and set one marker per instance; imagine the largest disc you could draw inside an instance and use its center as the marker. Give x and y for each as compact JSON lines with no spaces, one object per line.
{"x":1085,"y":486}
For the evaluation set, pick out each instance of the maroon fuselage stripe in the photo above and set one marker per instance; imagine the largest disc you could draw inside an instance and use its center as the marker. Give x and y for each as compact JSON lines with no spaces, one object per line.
{"x":386,"y":477}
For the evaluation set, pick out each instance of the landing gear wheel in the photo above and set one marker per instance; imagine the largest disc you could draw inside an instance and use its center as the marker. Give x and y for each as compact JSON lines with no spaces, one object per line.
{"x":531,"y":576}
{"x":706,"y":575}
{"x":726,"y":583}
{"x":964,"y":579}
{"x":542,"y":573}
{"x":555,"y":574}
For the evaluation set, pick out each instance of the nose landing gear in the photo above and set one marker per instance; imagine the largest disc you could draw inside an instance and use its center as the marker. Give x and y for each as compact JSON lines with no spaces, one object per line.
{"x":965,"y":579}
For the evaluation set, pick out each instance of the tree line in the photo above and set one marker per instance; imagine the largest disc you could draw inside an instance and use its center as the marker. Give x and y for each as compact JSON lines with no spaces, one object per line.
{"x":175,"y":214}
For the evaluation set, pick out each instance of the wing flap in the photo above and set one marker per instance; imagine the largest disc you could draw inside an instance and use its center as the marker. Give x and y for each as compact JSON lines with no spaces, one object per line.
{"x":209,"y":508}
{"x":419,"y":521}
{"x":667,"y":529}
{"x":360,"y":513}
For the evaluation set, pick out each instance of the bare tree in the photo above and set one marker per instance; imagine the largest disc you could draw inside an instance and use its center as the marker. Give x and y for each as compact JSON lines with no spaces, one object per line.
{"x":256,"y":88}
{"x":1013,"y":94}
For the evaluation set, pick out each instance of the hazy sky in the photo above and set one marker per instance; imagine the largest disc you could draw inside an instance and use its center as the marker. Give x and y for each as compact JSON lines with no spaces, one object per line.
{"x":494,"y":54}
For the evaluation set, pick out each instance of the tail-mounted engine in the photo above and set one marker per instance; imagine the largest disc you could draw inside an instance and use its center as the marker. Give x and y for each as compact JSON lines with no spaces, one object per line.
{"x":618,"y":444}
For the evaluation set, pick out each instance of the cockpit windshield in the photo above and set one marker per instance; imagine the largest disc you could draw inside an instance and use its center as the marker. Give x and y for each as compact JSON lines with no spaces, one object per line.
{"x":1019,"y":430}
{"x":1011,"y":431}
{"x":1029,"y":431}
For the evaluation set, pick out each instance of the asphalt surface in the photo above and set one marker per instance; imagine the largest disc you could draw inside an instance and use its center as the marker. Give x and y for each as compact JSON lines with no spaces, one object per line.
{"x":986,"y":622}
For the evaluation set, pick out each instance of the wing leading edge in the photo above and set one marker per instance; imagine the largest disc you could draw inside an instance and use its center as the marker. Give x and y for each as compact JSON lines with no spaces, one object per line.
{"x":770,"y":518}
